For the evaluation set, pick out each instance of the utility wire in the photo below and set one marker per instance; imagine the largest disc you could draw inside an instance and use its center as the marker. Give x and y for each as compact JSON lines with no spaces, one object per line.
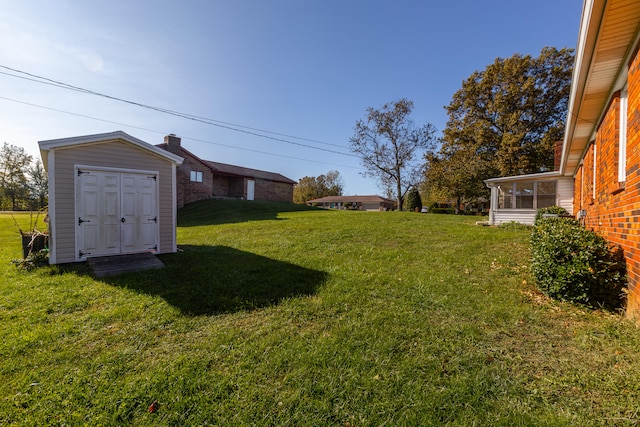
{"x":237,"y":128}
{"x":165,"y":133}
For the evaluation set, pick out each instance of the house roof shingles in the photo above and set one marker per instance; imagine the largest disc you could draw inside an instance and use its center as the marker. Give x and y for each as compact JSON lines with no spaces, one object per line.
{"x":232,"y":170}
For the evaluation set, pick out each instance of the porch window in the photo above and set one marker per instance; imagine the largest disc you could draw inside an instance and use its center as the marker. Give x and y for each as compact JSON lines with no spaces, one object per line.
{"x":524,"y":195}
{"x":527,"y":195}
{"x":196,"y":176}
{"x":505,"y":196}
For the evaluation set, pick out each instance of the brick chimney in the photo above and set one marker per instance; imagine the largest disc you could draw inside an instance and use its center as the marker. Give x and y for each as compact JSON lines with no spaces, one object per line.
{"x":557,"y":154}
{"x":173,"y":143}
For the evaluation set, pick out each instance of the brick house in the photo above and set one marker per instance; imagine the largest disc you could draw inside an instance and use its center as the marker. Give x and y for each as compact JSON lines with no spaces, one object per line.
{"x":601,"y":149}
{"x":199,"y":179}
{"x":361,"y":203}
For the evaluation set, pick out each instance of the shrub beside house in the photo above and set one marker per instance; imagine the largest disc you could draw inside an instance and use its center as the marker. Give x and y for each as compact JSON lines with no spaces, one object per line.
{"x":600,"y":154}
{"x":602,"y":138}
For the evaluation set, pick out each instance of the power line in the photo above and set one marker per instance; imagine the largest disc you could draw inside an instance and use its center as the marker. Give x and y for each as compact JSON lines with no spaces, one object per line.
{"x":226,"y":125}
{"x":165,"y":133}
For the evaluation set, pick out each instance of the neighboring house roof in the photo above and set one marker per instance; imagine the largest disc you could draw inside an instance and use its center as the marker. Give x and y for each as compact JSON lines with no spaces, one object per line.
{"x":164,"y":146}
{"x":351,"y":199}
{"x":231,"y":170}
{"x":607,"y":30}
{"x":119,"y":135}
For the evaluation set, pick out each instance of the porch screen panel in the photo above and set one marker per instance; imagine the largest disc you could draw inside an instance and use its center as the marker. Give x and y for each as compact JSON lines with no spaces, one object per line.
{"x":524,"y":195}
{"x":505,"y":196}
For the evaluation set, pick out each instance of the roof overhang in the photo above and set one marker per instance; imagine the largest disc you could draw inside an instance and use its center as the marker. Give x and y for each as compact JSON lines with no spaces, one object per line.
{"x":608,"y":33}
{"x":53,"y":144}
{"x":543,"y":176}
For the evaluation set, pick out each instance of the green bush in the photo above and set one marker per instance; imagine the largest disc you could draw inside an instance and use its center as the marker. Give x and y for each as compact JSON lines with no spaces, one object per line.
{"x":442,"y":210}
{"x":515,"y":225}
{"x":557,"y":210}
{"x":33,"y":261}
{"x":572,"y":263}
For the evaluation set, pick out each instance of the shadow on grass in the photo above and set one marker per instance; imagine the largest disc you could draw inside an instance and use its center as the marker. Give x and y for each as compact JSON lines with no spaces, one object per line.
{"x":204,"y":280}
{"x":209,"y":212}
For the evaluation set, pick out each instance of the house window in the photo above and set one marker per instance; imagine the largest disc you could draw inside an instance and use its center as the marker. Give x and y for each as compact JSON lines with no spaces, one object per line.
{"x":196,"y":176}
{"x":622,"y":137}
{"x":545,"y":194}
{"x":527,"y":195}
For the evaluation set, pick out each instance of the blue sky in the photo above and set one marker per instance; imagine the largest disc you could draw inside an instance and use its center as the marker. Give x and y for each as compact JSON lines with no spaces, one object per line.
{"x":304,"y":68}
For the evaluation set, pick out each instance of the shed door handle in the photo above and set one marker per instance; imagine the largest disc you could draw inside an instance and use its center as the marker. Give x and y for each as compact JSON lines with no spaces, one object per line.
{"x":123,"y":220}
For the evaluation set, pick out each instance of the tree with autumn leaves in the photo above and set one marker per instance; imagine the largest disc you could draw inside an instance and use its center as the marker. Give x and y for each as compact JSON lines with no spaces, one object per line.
{"x":503,"y":122}
{"x":315,"y":187}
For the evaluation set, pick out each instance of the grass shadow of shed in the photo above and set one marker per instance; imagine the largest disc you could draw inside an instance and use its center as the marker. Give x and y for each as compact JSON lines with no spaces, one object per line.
{"x":207,"y":280}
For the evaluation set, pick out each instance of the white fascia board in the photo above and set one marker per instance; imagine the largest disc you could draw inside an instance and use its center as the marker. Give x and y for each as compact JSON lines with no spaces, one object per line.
{"x":532,"y":176}
{"x":90,"y":139}
{"x":592,"y":12}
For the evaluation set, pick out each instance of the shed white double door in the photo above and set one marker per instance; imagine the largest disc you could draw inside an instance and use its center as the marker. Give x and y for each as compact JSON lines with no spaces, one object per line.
{"x":117,"y":212}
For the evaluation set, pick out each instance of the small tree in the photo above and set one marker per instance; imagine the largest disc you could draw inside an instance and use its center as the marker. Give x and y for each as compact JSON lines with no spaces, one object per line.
{"x":390,"y":146}
{"x":459,"y":174}
{"x":38,"y":184}
{"x":14,"y":161}
{"x":334,"y":183}
{"x":414,"y":202}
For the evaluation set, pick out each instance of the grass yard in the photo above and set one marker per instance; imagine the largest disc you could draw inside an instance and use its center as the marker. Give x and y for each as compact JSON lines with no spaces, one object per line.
{"x":278,"y":315}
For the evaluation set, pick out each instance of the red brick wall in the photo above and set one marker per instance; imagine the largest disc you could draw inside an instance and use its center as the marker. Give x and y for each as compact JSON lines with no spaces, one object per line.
{"x":557,"y":155}
{"x":615,"y":211}
{"x":236,"y":187}
{"x":218,"y":185}
{"x":578,"y":189}
{"x":189,"y":191}
{"x":273,"y":191}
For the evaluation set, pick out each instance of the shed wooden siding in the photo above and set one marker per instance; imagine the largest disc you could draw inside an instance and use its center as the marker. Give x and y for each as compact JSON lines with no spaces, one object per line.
{"x":107,"y":154}
{"x":613,"y":208}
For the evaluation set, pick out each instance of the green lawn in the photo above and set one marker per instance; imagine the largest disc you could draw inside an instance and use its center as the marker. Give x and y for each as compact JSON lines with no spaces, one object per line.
{"x":278,"y":315}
